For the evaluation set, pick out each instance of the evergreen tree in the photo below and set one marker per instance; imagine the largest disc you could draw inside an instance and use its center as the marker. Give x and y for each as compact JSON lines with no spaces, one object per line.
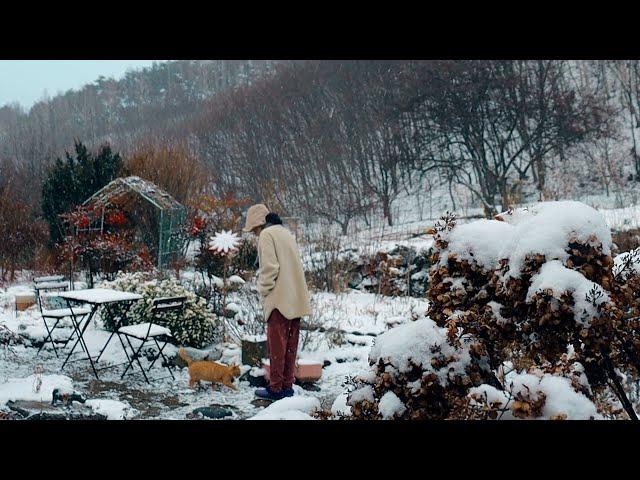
{"x":74,"y":179}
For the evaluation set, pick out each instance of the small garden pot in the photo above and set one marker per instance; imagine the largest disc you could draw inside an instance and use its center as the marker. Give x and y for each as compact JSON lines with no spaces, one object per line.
{"x":254,"y":349}
{"x":306,"y":370}
{"x":25,"y":300}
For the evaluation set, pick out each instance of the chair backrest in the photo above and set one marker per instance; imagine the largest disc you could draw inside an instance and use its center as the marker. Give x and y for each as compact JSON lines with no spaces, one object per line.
{"x":48,"y":284}
{"x":51,"y":278}
{"x":167,"y":304}
{"x":163,"y":305}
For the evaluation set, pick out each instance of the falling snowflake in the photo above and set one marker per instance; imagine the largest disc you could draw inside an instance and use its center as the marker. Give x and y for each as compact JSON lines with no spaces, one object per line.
{"x":224,"y":242}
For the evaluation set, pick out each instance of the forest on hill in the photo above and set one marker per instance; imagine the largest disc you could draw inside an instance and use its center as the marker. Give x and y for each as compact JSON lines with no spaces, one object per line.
{"x":342,"y":141}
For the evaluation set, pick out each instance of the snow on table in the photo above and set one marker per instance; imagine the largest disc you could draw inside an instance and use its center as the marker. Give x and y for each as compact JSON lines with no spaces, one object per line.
{"x":100,"y":296}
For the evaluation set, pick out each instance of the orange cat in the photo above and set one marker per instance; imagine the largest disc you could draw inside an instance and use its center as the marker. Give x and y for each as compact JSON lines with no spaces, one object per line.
{"x":209,"y":371}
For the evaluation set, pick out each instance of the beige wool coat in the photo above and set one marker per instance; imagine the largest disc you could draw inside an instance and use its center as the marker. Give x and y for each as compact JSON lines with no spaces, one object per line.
{"x":281,"y":281}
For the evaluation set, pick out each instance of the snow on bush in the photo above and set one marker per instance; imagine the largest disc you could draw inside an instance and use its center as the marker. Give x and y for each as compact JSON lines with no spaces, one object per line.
{"x":557,"y":279}
{"x":194,"y":326}
{"x":339,"y":408}
{"x":547,"y":228}
{"x":519,"y":289}
{"x":420,"y":344}
{"x":391,"y":406}
{"x":362,"y":394}
{"x":542,"y":397}
{"x":419,"y":371}
{"x":482,"y":242}
{"x":627,"y":264}
{"x":291,"y":408}
{"x":544,"y":281}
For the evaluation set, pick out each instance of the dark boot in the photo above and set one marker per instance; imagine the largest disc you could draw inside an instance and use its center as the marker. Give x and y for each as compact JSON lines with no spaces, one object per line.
{"x":268,"y":394}
{"x":288,"y":392}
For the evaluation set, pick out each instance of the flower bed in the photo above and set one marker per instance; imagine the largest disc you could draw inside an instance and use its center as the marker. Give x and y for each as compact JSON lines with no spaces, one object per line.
{"x":194,"y":327}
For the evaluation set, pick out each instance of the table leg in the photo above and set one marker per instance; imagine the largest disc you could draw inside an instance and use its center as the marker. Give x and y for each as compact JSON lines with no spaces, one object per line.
{"x":117,"y":326}
{"x":80,"y":332}
{"x":75,"y":329}
{"x":136,"y":357}
{"x":49,"y":336}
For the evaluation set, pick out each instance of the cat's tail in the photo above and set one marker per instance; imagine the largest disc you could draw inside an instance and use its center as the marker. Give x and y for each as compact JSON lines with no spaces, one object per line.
{"x":183,"y":355}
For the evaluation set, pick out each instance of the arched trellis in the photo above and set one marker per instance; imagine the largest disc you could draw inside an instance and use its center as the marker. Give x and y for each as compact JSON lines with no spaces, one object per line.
{"x":171,"y":213}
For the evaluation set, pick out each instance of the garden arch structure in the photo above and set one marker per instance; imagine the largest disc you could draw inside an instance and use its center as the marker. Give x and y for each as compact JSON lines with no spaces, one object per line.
{"x":171,"y":214}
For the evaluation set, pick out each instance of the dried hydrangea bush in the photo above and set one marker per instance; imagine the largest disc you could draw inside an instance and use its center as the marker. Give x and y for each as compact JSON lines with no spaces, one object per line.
{"x":195,"y":326}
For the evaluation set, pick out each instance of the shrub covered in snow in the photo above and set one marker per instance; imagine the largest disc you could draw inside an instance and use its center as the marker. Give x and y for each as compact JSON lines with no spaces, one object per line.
{"x":419,"y":371}
{"x":520,"y":289}
{"x":195,"y":326}
{"x":557,"y":391}
{"x":529,"y":282}
{"x":528,"y":396}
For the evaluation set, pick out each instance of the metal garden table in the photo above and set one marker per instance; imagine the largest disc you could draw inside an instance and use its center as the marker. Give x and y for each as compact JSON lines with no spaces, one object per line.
{"x":96,"y":298}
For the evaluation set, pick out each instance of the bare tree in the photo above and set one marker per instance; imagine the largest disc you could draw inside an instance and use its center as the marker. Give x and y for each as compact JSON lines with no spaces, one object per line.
{"x":490,"y":122}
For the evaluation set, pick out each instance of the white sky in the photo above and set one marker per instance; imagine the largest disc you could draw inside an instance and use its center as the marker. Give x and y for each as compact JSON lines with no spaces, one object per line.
{"x":25,"y":81}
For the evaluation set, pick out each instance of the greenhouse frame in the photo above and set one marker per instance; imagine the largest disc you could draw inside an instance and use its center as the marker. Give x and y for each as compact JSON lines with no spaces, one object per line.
{"x":171,"y":213}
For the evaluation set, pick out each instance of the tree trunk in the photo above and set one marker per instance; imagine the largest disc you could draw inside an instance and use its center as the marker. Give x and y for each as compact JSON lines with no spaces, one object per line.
{"x":344,"y":226}
{"x":453,"y":201}
{"x":541,"y":170}
{"x":386,"y":208}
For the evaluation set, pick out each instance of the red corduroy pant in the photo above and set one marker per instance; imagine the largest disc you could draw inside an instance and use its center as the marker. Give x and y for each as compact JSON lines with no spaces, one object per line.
{"x":282,"y":340}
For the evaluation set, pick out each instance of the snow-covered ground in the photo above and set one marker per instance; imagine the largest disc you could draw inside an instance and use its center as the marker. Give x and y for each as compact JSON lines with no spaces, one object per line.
{"x":353,"y":320}
{"x":360,"y":317}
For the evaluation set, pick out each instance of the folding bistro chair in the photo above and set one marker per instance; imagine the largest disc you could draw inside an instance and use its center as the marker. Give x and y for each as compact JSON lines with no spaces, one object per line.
{"x":151,"y":331}
{"x":44,"y":288}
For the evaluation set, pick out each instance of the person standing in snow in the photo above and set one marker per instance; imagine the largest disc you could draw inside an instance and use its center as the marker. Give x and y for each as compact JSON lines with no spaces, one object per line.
{"x":284,"y":296}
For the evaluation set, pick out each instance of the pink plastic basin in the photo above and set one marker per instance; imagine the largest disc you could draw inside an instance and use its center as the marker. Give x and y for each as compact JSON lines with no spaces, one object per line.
{"x":306,"y":370}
